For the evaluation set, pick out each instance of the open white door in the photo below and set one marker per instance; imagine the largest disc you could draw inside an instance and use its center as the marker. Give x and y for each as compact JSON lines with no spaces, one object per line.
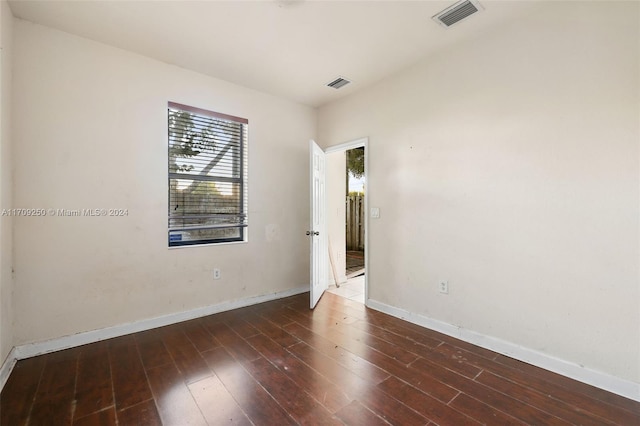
{"x":318,"y":232}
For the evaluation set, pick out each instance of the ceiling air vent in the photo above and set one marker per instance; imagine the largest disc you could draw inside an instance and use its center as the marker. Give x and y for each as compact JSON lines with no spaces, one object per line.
{"x":338,"y":83}
{"x":457,"y":12}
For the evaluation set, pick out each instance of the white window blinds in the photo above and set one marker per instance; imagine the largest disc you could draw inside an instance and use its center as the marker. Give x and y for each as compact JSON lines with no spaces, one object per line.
{"x":207,"y":176}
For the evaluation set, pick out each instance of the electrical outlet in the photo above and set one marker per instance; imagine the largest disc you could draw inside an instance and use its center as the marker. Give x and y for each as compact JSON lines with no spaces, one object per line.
{"x":217,"y":274}
{"x":443,"y":287}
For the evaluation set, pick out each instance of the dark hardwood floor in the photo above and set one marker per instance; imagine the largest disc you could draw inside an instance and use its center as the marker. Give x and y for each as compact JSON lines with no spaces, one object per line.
{"x":279,"y":363}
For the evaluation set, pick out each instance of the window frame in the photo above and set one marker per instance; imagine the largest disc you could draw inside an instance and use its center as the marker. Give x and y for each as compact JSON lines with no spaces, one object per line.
{"x":242,"y":180}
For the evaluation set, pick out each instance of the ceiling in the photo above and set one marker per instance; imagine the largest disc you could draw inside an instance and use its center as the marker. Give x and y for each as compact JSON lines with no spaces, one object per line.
{"x":289,"y":48}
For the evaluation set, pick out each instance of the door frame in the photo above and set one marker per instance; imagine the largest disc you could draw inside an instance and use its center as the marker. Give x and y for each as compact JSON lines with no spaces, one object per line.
{"x":358,"y":143}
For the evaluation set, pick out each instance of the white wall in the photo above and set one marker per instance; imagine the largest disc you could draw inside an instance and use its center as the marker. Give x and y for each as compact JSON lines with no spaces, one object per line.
{"x":90,"y":132}
{"x":6,"y":184}
{"x":508,"y":165}
{"x":336,"y":167}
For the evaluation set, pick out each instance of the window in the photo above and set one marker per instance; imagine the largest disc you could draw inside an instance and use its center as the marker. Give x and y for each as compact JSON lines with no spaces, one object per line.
{"x":207,"y":176}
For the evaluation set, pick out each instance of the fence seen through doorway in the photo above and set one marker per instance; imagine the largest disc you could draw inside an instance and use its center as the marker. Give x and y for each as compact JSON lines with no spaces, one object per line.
{"x":355,"y":222}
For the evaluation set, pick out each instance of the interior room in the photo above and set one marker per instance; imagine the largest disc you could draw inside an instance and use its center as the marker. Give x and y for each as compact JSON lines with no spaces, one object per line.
{"x":501,"y":214}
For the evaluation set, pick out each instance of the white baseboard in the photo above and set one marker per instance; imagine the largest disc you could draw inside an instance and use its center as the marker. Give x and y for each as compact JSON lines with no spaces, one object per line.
{"x":7,"y":367}
{"x":610,"y":383}
{"x":66,"y":342}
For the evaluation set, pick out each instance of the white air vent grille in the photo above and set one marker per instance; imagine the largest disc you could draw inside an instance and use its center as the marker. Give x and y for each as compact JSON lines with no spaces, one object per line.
{"x":456,"y":13}
{"x":338,"y":83}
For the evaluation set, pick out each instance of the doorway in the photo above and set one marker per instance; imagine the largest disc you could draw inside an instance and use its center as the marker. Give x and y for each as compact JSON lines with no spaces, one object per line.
{"x":354,"y":214}
{"x":347,"y":219}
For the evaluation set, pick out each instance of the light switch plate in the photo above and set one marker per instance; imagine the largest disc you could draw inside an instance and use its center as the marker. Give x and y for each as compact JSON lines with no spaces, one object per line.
{"x":375,"y":212}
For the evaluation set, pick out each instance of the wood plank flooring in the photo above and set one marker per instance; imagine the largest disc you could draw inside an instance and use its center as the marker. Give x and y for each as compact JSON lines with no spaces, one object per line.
{"x":279,"y":363}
